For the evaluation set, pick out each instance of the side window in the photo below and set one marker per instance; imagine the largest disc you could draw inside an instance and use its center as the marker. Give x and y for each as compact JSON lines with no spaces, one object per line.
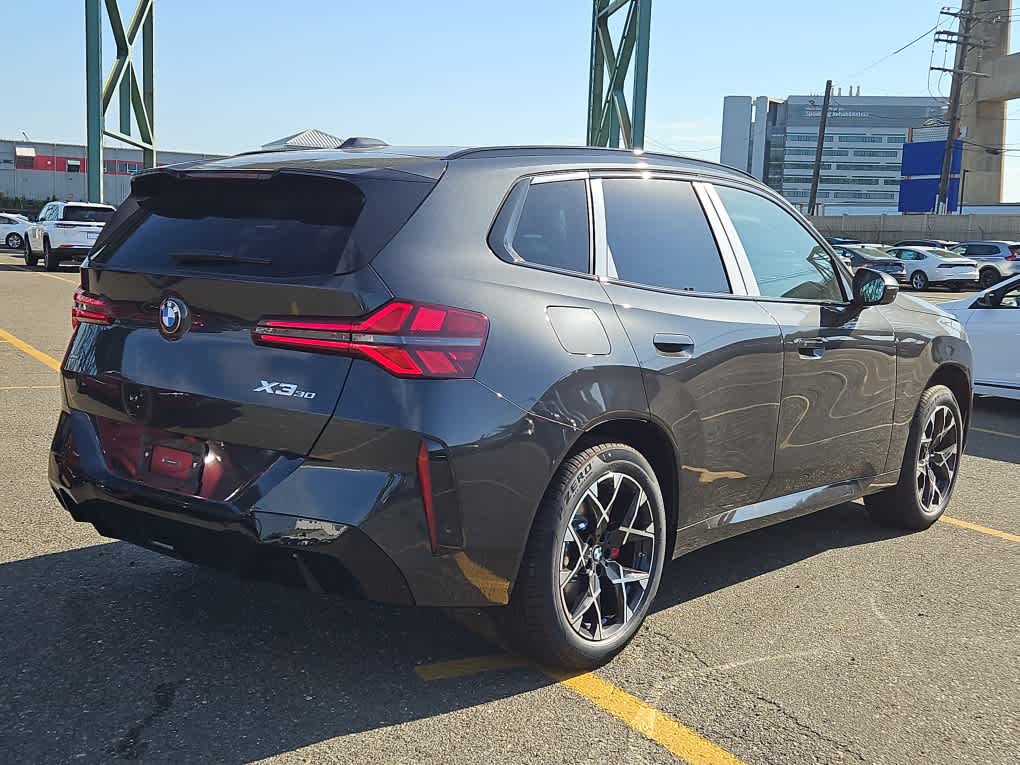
{"x":960,"y":249}
{"x":658,"y":235}
{"x":786,"y":260}
{"x":553,"y":226}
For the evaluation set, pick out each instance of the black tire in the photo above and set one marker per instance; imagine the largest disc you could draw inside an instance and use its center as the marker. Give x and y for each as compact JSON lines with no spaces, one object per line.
{"x":989,"y":277}
{"x":902,"y":506}
{"x":50,"y":260}
{"x":31,"y":259}
{"x":919,"y":280}
{"x":14,"y":241}
{"x":536,"y":620}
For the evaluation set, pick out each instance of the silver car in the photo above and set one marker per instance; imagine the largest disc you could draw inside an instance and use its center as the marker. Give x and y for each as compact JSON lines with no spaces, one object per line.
{"x":996,"y":260}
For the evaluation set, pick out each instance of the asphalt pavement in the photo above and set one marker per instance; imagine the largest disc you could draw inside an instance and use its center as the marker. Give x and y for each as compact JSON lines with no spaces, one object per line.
{"x":824,"y":639}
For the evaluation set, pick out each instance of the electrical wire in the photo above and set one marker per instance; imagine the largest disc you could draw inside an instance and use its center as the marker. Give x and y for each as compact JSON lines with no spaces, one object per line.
{"x":895,"y":52}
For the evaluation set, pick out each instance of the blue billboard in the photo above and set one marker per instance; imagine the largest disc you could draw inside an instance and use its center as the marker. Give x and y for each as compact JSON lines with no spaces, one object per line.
{"x":920,"y":170}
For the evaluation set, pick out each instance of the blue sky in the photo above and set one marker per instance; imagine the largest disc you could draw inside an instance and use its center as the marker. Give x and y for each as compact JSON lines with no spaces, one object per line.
{"x":233,"y":74}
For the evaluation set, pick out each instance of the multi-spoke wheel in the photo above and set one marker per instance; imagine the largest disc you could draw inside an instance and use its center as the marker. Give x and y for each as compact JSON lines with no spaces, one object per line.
{"x":608,"y":549}
{"x":593,"y":559}
{"x":930,"y":465}
{"x":937,"y":458}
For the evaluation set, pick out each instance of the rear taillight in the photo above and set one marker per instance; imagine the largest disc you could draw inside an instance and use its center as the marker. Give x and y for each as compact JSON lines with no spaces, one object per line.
{"x":406,"y":339}
{"x":1014,"y":253}
{"x":90,"y":309}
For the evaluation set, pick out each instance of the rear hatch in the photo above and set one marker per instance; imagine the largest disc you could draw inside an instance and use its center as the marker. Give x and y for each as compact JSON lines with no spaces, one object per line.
{"x":164,"y":352}
{"x":80,"y":225}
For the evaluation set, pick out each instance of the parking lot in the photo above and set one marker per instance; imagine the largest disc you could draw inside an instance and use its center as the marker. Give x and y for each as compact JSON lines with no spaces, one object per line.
{"x":825,"y":639}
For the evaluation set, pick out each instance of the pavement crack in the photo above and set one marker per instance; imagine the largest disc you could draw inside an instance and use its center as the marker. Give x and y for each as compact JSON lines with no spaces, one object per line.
{"x":800,"y":724}
{"x":130,"y":746}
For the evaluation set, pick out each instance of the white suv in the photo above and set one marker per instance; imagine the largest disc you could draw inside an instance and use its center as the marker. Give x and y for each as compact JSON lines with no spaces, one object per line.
{"x":64,"y":231}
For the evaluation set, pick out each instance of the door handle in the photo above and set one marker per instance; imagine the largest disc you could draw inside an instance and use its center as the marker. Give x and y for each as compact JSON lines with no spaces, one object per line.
{"x":673,"y":345}
{"x":811,"y":348}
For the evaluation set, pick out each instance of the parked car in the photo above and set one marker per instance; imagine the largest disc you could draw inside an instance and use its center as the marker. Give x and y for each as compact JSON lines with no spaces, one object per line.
{"x":931,"y":265}
{"x":520,"y":377}
{"x":996,"y":260}
{"x":876,"y":259}
{"x":942,"y":244}
{"x":64,"y":231}
{"x":992,"y":321}
{"x":12,"y":231}
{"x":840,"y":240}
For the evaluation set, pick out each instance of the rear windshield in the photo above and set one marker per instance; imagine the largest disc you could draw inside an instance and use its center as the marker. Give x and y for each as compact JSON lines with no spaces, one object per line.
{"x":83,"y":214}
{"x":290,"y":225}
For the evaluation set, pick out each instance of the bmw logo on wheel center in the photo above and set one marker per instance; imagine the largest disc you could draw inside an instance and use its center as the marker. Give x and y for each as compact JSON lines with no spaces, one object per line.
{"x":174,"y":317}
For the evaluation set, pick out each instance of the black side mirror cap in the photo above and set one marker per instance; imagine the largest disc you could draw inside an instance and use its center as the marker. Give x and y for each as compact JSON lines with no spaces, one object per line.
{"x":873,"y":288}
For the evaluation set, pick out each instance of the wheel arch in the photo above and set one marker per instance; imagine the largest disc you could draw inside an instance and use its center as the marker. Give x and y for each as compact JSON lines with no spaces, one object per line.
{"x":653,"y":441}
{"x":956,"y":378}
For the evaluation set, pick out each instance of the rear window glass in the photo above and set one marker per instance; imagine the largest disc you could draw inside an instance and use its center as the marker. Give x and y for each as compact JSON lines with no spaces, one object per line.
{"x":287,"y":226}
{"x":82,"y":214}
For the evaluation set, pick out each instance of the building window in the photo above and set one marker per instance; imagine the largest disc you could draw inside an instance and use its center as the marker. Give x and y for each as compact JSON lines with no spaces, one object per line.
{"x":801,"y":138}
{"x":807,"y":165}
{"x":74,"y":165}
{"x":811,"y":153}
{"x":876,"y":153}
{"x":865,"y":167}
{"x":895,"y":139}
{"x":860,"y":139}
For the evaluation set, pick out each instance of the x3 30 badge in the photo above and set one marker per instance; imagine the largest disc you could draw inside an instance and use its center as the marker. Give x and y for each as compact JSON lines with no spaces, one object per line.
{"x":282,"y":389}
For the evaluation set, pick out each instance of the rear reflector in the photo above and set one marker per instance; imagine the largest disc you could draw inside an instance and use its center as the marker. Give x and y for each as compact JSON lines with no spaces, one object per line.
{"x":90,"y":309}
{"x":425,"y":486}
{"x":404,"y":338}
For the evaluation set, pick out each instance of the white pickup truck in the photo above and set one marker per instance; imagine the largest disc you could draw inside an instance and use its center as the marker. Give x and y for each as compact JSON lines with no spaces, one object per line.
{"x":64,"y":231}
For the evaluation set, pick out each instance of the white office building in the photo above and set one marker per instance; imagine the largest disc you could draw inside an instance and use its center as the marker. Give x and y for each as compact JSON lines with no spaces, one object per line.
{"x":775,"y":140}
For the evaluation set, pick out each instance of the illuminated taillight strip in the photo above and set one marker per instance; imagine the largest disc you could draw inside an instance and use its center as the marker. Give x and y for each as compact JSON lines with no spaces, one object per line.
{"x":406,"y":339}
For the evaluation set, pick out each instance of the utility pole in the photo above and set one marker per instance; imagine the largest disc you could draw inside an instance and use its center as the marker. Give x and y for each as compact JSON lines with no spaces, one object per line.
{"x":959,"y":70}
{"x":816,"y":172}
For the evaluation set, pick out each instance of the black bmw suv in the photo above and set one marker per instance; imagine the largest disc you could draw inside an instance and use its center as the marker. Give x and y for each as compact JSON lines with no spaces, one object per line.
{"x":523,"y":377}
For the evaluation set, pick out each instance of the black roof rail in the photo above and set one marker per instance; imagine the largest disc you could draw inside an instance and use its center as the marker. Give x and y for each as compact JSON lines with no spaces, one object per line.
{"x":362,"y":142}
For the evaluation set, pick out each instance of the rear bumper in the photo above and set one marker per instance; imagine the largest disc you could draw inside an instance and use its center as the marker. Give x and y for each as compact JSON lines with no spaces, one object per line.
{"x":232,"y":535}
{"x":70,"y":252}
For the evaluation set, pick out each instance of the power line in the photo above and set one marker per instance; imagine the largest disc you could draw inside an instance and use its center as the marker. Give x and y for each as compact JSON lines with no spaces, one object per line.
{"x":895,"y":52}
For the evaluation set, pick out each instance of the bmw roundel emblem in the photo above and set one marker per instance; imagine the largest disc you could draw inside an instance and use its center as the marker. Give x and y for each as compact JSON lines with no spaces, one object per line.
{"x":174,"y":317}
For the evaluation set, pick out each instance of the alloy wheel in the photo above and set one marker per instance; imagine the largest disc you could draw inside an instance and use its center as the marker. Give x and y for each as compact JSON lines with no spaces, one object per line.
{"x":608,"y":549}
{"x":937,"y":459}
{"x":14,"y":241}
{"x":918,"y":281}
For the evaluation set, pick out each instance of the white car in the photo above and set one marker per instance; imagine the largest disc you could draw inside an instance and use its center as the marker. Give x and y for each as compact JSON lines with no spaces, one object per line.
{"x":931,"y":265}
{"x":992,"y":321}
{"x":65,"y":231}
{"x":12,"y":231}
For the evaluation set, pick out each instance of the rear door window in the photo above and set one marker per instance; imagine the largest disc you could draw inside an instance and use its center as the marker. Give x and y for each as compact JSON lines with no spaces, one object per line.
{"x":658,"y":236}
{"x":553,"y":226}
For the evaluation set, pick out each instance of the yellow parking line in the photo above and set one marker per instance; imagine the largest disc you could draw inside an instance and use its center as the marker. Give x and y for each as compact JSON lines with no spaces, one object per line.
{"x":640,"y":716}
{"x":997,"y":433}
{"x":473,"y":665}
{"x":35,"y":353}
{"x":981,"y":529}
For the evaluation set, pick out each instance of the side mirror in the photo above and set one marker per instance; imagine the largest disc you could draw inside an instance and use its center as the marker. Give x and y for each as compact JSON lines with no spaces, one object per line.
{"x":873,"y":288}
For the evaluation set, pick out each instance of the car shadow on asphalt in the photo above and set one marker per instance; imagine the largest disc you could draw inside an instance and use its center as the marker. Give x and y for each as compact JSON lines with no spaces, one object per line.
{"x":744,"y":557}
{"x":113,"y":652}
